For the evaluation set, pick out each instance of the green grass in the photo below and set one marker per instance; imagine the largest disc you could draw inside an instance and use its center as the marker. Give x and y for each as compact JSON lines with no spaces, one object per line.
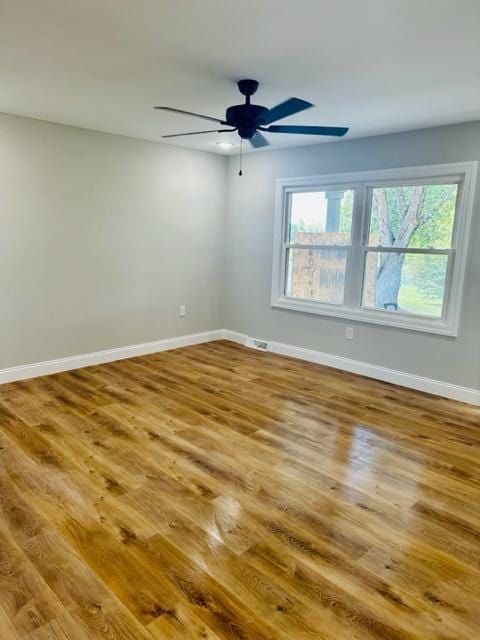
{"x":412,"y":300}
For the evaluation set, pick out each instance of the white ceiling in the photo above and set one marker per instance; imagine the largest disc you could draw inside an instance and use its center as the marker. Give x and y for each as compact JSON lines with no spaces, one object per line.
{"x":374,"y":65}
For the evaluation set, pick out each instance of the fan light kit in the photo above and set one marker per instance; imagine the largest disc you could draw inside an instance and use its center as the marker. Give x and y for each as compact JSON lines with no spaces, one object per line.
{"x":251,"y":120}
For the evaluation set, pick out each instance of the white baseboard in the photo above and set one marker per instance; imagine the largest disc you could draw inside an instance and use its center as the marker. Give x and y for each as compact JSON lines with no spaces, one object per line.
{"x":412,"y":381}
{"x":109,"y":355}
{"x":420,"y":383}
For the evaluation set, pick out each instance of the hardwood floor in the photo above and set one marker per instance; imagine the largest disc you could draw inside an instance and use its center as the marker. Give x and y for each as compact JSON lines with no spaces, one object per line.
{"x":216,"y":492}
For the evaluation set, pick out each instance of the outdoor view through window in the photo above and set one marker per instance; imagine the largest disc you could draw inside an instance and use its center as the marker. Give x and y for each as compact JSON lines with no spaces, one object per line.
{"x":404,"y":258}
{"x":319,"y":218}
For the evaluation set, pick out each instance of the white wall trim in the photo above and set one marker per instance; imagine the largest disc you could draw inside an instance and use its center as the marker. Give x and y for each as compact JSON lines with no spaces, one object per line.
{"x":48,"y":367}
{"x":410,"y":380}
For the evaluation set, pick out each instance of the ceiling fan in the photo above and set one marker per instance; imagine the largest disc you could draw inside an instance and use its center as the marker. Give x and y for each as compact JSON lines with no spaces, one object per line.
{"x":252,"y":119}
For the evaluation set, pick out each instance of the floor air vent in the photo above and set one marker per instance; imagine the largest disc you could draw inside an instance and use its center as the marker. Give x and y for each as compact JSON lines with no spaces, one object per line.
{"x":253,"y":343}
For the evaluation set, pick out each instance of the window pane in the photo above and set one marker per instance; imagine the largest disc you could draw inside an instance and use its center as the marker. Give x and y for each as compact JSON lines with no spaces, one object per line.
{"x":321,"y":217}
{"x":316,"y":274}
{"x":405,"y":282}
{"x":419,"y":216}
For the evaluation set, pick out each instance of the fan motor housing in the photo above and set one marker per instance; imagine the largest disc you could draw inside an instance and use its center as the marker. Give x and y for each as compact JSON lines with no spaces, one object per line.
{"x":246,"y":118}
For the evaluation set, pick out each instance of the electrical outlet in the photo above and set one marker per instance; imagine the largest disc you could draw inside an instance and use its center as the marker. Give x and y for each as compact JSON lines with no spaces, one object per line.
{"x":182,"y":311}
{"x":349,"y":333}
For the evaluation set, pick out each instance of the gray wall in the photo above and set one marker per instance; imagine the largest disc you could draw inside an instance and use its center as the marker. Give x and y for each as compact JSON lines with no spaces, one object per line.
{"x":101,"y":238}
{"x":248,"y":251}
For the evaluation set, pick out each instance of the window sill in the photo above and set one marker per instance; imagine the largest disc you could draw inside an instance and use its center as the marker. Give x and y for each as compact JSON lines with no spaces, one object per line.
{"x":370,"y":316}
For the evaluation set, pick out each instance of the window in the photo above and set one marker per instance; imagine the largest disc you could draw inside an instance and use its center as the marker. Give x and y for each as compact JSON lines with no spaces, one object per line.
{"x":319,"y":239}
{"x":387,"y":247}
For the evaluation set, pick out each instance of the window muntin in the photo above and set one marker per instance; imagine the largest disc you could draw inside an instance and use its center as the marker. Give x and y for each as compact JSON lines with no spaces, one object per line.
{"x":319,"y":240}
{"x":432,"y":254}
{"x":416,"y":223}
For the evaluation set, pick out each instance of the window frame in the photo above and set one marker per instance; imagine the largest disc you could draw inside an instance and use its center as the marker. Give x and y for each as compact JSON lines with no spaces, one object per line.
{"x":362,"y":182}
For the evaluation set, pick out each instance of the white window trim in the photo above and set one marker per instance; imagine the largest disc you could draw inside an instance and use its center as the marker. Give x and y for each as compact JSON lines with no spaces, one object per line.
{"x":448,"y":325}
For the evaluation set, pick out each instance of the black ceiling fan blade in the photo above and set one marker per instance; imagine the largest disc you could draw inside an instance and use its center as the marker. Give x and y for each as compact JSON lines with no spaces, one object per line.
{"x":287,"y":108}
{"x":190,"y":113}
{"x":195,"y":133}
{"x":258,"y":141}
{"x":307,"y":130}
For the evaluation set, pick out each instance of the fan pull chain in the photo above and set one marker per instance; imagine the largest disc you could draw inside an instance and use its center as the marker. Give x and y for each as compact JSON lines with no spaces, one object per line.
{"x":240,"y":173}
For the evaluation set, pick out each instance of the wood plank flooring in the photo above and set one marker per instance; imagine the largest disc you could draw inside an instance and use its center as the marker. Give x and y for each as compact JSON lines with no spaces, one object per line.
{"x":216,"y":492}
